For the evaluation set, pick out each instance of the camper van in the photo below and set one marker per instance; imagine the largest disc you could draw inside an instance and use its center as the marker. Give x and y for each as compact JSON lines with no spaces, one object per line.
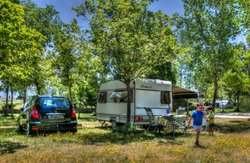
{"x":153,"y":93}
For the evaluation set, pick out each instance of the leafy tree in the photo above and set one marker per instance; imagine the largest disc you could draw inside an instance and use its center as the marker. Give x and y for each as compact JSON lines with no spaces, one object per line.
{"x":164,"y":71}
{"x":89,"y":78}
{"x":66,"y":53}
{"x":127,"y":38}
{"x":210,"y":28}
{"x":46,"y":21}
{"x":236,"y":80}
{"x":18,"y":44}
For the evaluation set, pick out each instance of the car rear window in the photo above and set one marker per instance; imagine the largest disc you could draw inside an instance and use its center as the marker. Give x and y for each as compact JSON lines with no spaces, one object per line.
{"x":54,"y":102}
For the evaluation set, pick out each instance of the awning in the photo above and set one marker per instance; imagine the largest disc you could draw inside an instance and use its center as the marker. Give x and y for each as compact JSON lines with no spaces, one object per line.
{"x":179,"y":93}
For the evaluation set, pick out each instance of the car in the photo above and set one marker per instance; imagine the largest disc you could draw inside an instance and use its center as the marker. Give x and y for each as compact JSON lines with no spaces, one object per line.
{"x":47,"y":113}
{"x":225,"y":103}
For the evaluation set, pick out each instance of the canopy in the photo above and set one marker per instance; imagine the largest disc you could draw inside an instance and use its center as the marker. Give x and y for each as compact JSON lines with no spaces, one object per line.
{"x":179,"y":93}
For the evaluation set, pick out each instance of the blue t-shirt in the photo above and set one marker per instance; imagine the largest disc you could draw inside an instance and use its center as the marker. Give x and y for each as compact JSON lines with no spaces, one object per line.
{"x":197,"y":117}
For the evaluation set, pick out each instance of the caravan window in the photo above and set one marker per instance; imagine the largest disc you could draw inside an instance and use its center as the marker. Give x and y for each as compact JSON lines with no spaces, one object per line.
{"x":165,"y":97}
{"x":103,"y":97}
{"x":119,"y":96}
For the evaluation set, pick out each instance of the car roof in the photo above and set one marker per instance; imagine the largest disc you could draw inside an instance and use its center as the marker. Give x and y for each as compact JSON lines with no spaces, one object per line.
{"x":58,"y":96}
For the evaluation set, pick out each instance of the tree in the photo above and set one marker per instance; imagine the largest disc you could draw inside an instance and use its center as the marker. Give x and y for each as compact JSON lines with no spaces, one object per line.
{"x":236,"y":80}
{"x":66,"y":53}
{"x":46,"y":21}
{"x":164,"y":71}
{"x":89,"y":78}
{"x":127,"y":38}
{"x":210,"y":28}
{"x":19,"y":45}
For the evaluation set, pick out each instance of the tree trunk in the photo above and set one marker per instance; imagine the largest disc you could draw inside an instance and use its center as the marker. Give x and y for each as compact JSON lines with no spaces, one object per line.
{"x":38,"y":88}
{"x":238,"y":102}
{"x":6,"y":108}
{"x":24,"y":95}
{"x":70,"y":93}
{"x":11,"y":102}
{"x":215,"y":91}
{"x":128,"y":104}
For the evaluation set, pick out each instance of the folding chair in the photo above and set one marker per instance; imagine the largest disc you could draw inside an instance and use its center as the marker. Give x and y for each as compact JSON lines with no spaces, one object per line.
{"x":176,"y":124}
{"x":153,"y":123}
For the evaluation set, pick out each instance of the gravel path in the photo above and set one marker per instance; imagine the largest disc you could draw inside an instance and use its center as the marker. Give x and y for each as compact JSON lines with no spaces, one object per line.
{"x":233,"y":115}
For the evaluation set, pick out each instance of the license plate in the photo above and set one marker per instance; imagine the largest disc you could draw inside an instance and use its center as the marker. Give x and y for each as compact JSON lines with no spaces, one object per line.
{"x":60,"y":116}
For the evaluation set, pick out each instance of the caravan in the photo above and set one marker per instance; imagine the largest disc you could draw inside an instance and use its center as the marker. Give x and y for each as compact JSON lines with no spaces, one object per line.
{"x":153,"y":93}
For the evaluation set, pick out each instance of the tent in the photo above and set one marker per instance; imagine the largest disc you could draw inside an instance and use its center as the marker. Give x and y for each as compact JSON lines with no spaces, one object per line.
{"x":185,"y":94}
{"x":182,"y":93}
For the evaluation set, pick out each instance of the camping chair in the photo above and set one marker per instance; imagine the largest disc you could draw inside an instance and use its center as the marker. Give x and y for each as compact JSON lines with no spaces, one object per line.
{"x":153,"y":123}
{"x":176,"y":124}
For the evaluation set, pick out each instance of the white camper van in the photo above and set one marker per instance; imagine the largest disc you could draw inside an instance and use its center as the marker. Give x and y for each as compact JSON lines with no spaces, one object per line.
{"x":153,"y":93}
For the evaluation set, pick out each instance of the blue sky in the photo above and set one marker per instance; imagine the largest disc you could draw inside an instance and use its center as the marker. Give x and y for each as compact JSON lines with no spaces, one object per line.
{"x":64,"y":7}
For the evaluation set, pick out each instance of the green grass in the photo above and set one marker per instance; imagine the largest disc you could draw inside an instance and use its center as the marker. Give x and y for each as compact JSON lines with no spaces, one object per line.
{"x":95,"y":144}
{"x":225,"y":110}
{"x":86,"y":116}
{"x":17,"y":104}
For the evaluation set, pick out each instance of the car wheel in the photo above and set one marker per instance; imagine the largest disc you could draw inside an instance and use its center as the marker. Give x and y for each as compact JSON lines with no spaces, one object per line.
{"x":74,"y":132}
{"x":19,"y":128}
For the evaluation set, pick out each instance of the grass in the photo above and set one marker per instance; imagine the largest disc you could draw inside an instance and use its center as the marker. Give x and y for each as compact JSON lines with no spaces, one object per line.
{"x":95,"y":144}
{"x":225,"y":110}
{"x":18,"y":104}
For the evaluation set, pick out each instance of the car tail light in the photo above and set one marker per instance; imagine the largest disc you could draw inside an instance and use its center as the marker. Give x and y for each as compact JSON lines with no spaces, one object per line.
{"x":73,"y":113}
{"x":34,"y":113}
{"x":35,"y":128}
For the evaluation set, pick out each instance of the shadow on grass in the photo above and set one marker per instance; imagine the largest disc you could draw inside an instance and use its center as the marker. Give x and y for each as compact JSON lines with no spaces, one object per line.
{"x":233,"y":127}
{"x":7,"y":123}
{"x":128,"y":137}
{"x":10,"y":147}
{"x":8,"y":131}
{"x":88,"y":119}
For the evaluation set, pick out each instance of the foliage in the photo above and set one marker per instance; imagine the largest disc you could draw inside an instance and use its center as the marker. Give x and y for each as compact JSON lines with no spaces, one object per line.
{"x":127,"y":38}
{"x":46,"y":21}
{"x":164,"y":71}
{"x":209,"y":27}
{"x":17,"y":42}
{"x":64,"y":56}
{"x":20,"y":46}
{"x":128,"y":33}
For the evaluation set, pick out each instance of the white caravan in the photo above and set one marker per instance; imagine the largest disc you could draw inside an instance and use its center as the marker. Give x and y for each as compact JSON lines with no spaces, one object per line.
{"x":153,"y":93}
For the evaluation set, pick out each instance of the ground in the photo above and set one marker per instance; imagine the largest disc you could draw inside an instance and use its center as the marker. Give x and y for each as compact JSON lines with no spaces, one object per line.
{"x":95,"y":144}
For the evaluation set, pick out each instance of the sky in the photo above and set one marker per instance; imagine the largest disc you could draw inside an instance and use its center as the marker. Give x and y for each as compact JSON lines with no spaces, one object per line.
{"x":64,"y":8}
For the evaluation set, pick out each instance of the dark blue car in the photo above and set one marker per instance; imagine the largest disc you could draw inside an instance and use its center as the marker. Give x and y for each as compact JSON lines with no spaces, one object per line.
{"x":47,"y":113}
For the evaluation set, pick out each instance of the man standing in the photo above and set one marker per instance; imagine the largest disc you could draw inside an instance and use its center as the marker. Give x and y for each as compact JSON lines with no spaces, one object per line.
{"x":197,"y":117}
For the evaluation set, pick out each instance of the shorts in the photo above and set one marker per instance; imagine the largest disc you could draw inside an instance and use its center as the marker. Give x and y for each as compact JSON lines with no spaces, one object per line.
{"x":197,"y":128}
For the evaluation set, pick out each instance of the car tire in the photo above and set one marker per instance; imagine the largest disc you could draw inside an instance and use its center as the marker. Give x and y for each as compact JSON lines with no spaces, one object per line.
{"x":74,"y":132}
{"x":19,"y":128}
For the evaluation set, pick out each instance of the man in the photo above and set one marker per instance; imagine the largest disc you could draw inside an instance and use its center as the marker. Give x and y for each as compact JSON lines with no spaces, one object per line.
{"x":197,"y":117}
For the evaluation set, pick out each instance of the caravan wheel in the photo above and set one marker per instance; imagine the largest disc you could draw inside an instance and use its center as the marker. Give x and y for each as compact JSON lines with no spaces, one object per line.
{"x":114,"y":124}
